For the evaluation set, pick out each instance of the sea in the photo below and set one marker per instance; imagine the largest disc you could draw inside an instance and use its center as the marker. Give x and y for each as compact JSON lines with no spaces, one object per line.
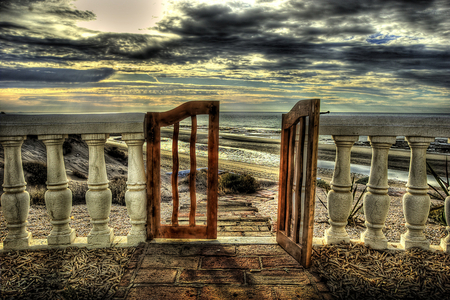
{"x":262,"y":125}
{"x":266,"y":125}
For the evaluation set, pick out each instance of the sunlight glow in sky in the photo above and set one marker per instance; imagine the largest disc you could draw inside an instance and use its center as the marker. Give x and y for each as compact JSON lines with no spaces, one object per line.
{"x":255,"y":55}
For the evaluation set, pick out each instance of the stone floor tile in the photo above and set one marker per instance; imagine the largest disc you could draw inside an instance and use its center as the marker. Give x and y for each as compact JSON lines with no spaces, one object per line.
{"x":162,"y":292}
{"x":212,"y":276}
{"x":163,"y":261}
{"x":265,"y":250}
{"x":208,"y":250}
{"x":288,"y":276}
{"x":224,"y":262}
{"x":236,"y":292}
{"x":296,"y":292}
{"x":280,"y":262}
{"x":163,"y":249}
{"x":155,"y":276}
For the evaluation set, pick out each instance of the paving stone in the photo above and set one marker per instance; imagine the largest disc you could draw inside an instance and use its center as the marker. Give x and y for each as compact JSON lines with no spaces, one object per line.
{"x":280,"y":262}
{"x":295,"y":292}
{"x":227,"y":233}
{"x":213,"y":262}
{"x":151,"y":261}
{"x":208,"y":250}
{"x":258,"y":233}
{"x":253,"y":223}
{"x":236,"y":292}
{"x":227,"y":223}
{"x":212,"y":276}
{"x":263,"y":228}
{"x":162,"y":292}
{"x":163,"y":249}
{"x":155,"y":276}
{"x":288,"y":276}
{"x":241,"y":228}
{"x":265,"y":250}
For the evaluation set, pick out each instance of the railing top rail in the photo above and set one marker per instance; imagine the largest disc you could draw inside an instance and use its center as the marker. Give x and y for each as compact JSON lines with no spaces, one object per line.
{"x":330,"y":124}
{"x":15,"y":124}
{"x":386,"y":125}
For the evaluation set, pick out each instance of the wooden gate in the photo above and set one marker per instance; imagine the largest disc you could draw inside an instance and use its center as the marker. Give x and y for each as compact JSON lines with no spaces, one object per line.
{"x":154,"y":123}
{"x":297,"y":182}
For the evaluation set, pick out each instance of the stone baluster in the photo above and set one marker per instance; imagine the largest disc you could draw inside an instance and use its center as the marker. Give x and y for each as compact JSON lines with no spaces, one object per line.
{"x":416,"y":202}
{"x":340,"y":198}
{"x":445,"y":242}
{"x":15,"y":200}
{"x":58,"y":197}
{"x":98,"y":197}
{"x":376,"y":200}
{"x":136,"y":195}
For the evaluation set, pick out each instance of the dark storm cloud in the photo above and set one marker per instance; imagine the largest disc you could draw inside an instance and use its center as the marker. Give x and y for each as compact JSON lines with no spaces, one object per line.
{"x":306,"y":35}
{"x":54,"y":75}
{"x":209,"y":31}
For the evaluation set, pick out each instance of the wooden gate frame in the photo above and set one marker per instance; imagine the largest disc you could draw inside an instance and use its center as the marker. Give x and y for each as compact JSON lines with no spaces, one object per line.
{"x":153,"y":124}
{"x":292,"y":234}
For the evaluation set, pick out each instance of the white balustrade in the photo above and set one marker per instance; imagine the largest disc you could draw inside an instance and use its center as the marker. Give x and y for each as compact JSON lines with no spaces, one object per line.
{"x":376,"y":200}
{"x":58,"y":198}
{"x":445,"y":242}
{"x":15,"y":200}
{"x":416,"y":202}
{"x":136,"y":195}
{"x":98,"y":197}
{"x":345,"y":129}
{"x":340,"y":198}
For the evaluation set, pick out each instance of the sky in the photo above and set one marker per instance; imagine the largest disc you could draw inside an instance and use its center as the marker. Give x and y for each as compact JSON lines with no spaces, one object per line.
{"x":91,"y":56}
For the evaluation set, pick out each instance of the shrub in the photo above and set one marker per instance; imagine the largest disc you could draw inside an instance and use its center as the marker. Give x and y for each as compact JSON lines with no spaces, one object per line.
{"x":437,"y":213}
{"x":79,"y":190}
{"x":37,"y":195}
{"x":201,"y":178}
{"x":323,"y":184}
{"x":118,"y":186}
{"x":363,"y":180}
{"x":237,"y":183}
{"x":37,"y":172}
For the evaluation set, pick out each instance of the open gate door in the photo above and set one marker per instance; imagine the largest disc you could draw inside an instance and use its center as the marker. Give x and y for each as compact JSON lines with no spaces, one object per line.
{"x":154,"y":123}
{"x":297,"y":186}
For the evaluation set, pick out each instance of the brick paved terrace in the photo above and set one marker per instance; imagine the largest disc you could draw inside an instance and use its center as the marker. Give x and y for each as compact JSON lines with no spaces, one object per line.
{"x":217,"y":270}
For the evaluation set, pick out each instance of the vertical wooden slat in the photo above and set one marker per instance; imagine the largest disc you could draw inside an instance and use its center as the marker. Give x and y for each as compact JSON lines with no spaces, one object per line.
{"x":213,"y":170}
{"x":299,"y":181}
{"x":284,"y":148}
{"x":175,"y":169}
{"x":310,"y":188}
{"x":155,"y":184}
{"x":193,"y":171}
{"x":290,"y":180}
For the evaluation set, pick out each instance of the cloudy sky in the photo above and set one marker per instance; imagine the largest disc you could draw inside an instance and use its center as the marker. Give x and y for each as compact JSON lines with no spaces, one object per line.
{"x":252,"y":55}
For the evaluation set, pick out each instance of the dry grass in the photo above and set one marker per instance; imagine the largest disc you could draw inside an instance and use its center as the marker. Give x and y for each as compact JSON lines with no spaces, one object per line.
{"x":70,"y":273}
{"x":354,"y":271}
